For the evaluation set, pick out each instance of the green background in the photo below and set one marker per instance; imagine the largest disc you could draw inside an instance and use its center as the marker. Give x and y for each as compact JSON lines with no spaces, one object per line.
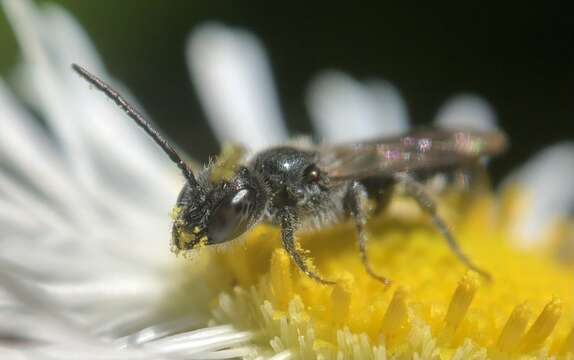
{"x":518,"y":55}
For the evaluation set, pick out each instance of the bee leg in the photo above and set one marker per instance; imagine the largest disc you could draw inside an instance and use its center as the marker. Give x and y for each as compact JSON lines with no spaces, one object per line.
{"x":356,"y":204}
{"x":288,"y":225}
{"x":416,"y":190}
{"x":379,"y":191}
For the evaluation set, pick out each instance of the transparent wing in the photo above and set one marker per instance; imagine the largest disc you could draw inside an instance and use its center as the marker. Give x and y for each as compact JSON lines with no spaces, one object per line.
{"x":418,"y":150}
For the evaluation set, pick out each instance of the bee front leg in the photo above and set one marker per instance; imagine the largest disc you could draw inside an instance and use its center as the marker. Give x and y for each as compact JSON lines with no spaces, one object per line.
{"x":416,"y":190}
{"x":289,"y":223}
{"x":356,"y":204}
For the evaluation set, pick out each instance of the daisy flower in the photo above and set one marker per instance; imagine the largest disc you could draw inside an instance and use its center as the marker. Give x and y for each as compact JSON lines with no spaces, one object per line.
{"x":85,"y":197}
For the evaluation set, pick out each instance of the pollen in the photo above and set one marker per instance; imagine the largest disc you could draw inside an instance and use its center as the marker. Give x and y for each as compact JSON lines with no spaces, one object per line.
{"x":175,"y":211}
{"x":543,"y":326}
{"x":281,"y":279}
{"x":184,"y":240}
{"x":224,"y":166}
{"x":396,"y":317}
{"x":435,"y":307}
{"x":458,"y":306}
{"x":514,"y":329}
{"x":202,"y":242}
{"x":341,"y":297}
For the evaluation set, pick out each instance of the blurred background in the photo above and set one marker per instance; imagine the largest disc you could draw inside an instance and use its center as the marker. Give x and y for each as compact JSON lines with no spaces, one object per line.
{"x":520,"y":57}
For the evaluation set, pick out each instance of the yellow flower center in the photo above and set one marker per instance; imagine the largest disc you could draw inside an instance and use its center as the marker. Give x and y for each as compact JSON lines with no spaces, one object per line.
{"x":434,"y":308}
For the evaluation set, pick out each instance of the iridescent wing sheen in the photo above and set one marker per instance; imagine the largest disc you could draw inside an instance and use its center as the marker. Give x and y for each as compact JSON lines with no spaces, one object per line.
{"x":416,"y":151}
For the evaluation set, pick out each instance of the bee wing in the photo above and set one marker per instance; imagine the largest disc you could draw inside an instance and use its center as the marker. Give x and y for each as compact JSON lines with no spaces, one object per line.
{"x":417,"y":150}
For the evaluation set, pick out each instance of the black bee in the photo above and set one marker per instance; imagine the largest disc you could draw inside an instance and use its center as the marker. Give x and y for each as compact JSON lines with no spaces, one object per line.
{"x":296,"y":188}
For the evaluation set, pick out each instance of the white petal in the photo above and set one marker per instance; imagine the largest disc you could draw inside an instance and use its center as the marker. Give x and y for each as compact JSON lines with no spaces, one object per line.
{"x":105,"y":124}
{"x":158,"y":331}
{"x":28,"y":151}
{"x":391,"y":107}
{"x":60,"y":278}
{"x":240,"y":352}
{"x":113,"y":192}
{"x":118,"y":143}
{"x":466,"y":111}
{"x":32,"y":204}
{"x":57,"y":104}
{"x":195,"y":335}
{"x":234,"y":82}
{"x":284,"y":355}
{"x":206,"y":344}
{"x":547,"y":184}
{"x":114,"y":291}
{"x":55,"y":109}
{"x":217,"y":342}
{"x":116,"y":249}
{"x":344,"y":110}
{"x":14,"y":354}
{"x":27,"y":295}
{"x":24,"y":20}
{"x":13,"y":217}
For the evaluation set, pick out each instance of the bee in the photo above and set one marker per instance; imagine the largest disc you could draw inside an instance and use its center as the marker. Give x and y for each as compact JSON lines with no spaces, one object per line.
{"x":296,"y":188}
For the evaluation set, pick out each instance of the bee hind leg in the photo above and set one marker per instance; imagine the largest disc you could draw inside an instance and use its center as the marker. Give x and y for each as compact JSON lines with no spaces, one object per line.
{"x":288,"y":226}
{"x":416,"y":190}
{"x":356,"y":205}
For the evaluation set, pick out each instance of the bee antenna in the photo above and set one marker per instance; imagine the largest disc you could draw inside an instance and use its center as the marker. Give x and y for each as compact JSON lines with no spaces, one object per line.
{"x":139,"y":120}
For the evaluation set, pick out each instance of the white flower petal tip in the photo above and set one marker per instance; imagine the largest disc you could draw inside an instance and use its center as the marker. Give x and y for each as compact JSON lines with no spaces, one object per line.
{"x":546,"y":181}
{"x":94,"y":133}
{"x":82,"y":262}
{"x":234,"y":81}
{"x":64,"y":29}
{"x":344,"y":110}
{"x":466,"y":111}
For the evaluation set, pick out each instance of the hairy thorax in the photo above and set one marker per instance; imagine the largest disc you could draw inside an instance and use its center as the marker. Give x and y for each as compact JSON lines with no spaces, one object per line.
{"x":293,"y":180}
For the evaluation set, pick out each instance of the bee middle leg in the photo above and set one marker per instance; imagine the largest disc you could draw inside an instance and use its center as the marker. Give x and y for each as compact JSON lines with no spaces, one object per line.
{"x":289,"y":223}
{"x":356,"y":205}
{"x":416,"y":190}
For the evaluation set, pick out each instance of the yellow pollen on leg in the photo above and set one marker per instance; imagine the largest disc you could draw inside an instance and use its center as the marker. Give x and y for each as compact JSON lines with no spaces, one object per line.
{"x":514,"y":329}
{"x":543,"y":326}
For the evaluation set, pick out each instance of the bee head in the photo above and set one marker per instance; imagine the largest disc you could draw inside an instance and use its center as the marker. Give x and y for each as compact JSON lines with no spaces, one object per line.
{"x":207,"y":212}
{"x":217,"y":212}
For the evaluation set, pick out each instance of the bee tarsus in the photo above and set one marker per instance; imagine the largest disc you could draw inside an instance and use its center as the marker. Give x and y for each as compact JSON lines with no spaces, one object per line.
{"x":356,"y":205}
{"x":416,"y":190}
{"x":288,"y":226}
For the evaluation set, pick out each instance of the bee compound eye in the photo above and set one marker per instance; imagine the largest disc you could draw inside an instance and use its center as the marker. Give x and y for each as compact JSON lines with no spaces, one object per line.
{"x":232,"y":216}
{"x":312,"y":173}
